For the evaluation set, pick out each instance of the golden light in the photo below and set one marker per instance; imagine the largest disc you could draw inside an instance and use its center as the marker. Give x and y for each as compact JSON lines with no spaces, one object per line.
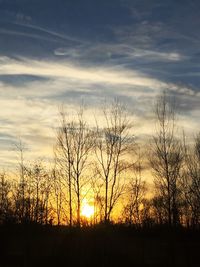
{"x":87,"y":210}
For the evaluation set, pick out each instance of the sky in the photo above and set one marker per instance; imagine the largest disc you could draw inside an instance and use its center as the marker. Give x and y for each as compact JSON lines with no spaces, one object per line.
{"x":69,"y":51}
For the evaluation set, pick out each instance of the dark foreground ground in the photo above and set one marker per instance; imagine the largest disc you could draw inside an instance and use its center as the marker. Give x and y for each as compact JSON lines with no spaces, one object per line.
{"x":100,"y":246}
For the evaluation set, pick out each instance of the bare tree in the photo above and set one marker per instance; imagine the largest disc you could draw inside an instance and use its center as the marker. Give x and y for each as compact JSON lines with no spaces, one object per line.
{"x":75,"y":142}
{"x":65,"y":155}
{"x":58,"y":194}
{"x":112,"y":146}
{"x":38,"y":188}
{"x":96,"y":187}
{"x":166,"y":158}
{"x":159,"y":210}
{"x":22,"y":181}
{"x":191,"y":184}
{"x":136,"y":195}
{"x":5,"y":201}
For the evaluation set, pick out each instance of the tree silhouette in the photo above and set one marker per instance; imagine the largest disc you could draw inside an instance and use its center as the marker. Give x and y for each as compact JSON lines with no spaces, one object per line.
{"x":191,"y":184}
{"x":136,"y":195}
{"x":113,"y":143}
{"x":166,"y":159}
{"x":75,"y":142}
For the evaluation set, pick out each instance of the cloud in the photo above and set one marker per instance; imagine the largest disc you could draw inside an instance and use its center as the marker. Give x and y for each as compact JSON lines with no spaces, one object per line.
{"x":119,"y":54}
{"x":24,"y":34}
{"x":51,"y":33}
{"x":49,"y":79}
{"x":108,"y":75}
{"x":30,"y":109}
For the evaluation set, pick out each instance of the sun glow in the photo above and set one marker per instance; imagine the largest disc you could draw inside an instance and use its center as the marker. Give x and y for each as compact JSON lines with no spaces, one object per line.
{"x":87,"y":210}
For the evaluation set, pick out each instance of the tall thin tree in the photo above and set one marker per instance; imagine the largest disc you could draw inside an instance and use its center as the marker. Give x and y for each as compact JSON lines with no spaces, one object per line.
{"x":112,"y":146}
{"x":166,"y":158}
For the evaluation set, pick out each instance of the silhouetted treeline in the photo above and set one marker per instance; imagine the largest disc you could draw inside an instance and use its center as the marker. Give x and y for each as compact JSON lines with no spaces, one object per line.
{"x":99,"y":245}
{"x":104,"y":167}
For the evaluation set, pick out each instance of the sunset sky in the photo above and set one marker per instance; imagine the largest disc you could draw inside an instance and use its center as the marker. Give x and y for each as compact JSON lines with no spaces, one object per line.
{"x":68,"y":51}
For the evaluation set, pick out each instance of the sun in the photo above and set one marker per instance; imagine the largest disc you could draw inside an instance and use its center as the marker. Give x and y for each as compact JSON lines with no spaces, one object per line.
{"x":87,"y":210}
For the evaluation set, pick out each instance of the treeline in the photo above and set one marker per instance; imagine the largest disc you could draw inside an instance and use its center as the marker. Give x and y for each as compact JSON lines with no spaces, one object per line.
{"x":103,"y":166}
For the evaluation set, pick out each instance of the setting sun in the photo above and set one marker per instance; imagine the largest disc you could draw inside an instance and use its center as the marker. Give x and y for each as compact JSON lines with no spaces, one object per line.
{"x":87,"y":210}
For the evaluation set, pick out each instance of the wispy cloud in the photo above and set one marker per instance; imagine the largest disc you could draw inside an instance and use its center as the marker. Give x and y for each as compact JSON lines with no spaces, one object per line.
{"x":115,"y":75}
{"x":53,"y":34}
{"x":32,"y":109}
